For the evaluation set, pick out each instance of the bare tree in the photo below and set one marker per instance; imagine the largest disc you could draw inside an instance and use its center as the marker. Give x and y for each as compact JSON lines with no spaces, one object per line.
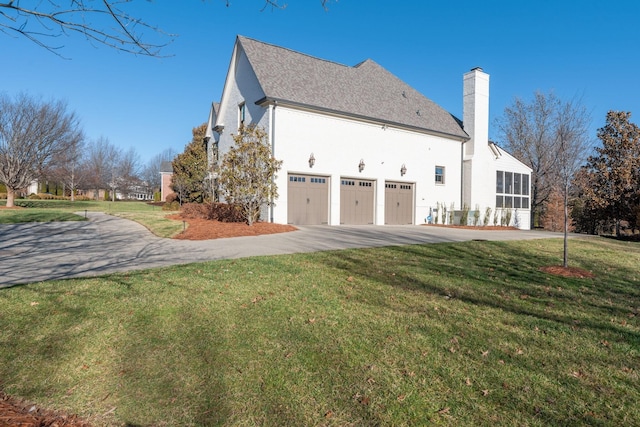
{"x":102,"y":159}
{"x":69,"y":167}
{"x":151,"y":171}
{"x":528,"y":133}
{"x":572,"y":145}
{"x":550,"y":136}
{"x":128,"y":171}
{"x":32,"y":133}
{"x":104,"y":22}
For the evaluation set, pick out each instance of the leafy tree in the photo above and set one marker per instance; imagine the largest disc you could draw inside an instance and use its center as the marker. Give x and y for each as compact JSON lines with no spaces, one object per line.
{"x":611,"y":181}
{"x":247,"y":172}
{"x":190,"y":168}
{"x":32,"y":134}
{"x":105,"y":22}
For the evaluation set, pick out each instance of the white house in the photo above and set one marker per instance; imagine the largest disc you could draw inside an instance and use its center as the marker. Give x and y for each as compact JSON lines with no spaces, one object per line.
{"x":360,"y":146}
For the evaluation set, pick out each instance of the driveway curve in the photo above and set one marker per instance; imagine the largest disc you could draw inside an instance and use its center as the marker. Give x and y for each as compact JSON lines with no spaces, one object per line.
{"x":35,"y":252}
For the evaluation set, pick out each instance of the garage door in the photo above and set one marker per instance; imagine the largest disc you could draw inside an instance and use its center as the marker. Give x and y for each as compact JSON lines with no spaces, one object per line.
{"x":308,"y":200}
{"x":398,"y":203}
{"x":356,"y":201}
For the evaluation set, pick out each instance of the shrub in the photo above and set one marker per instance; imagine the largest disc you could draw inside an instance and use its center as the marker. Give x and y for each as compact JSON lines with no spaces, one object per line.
{"x":222,"y":212}
{"x":464,"y":215}
{"x":476,"y":216}
{"x":171,"y":197}
{"x":487,"y":217}
{"x":3,"y":195}
{"x":173,"y":206}
{"x":33,"y":196}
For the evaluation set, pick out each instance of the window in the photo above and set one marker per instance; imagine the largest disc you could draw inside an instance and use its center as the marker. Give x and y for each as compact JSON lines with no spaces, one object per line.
{"x":499,"y":182}
{"x":516,"y":183}
{"x":509,"y":187}
{"x":525,"y":186}
{"x":508,"y":182}
{"x":242,"y":110}
{"x":439,"y":174}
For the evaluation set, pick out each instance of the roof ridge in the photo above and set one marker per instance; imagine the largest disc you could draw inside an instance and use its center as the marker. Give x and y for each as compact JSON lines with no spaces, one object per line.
{"x":317,"y":58}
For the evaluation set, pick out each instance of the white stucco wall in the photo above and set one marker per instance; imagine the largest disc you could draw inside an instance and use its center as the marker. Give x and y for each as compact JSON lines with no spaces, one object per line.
{"x":338,"y":145}
{"x":241,"y":86}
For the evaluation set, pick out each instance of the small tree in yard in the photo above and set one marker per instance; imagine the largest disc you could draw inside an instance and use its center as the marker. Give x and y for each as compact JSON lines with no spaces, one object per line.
{"x":247,"y":172}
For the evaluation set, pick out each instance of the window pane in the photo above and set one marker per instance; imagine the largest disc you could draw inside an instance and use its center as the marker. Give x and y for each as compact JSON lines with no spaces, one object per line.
{"x":516,"y":183}
{"x":516,"y":202}
{"x":525,"y":203}
{"x":508,"y":201}
{"x":499,"y":182}
{"x":508,"y":183}
{"x":525,"y":185}
{"x":499,"y":201}
{"x":439,"y":175}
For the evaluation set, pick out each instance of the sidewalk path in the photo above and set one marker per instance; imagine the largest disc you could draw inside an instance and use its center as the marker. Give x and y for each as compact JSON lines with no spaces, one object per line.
{"x":34,"y":252}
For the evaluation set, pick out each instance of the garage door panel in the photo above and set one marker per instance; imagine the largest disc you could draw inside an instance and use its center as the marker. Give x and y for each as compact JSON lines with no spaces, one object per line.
{"x":399,"y":203}
{"x":308,"y":200}
{"x":356,"y":201}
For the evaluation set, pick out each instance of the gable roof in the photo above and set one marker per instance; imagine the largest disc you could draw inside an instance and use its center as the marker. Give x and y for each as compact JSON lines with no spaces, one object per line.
{"x":366,"y":90}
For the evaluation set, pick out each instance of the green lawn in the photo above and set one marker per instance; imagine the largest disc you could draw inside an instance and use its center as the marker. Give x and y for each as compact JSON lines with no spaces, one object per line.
{"x":444,"y":334}
{"x":152,"y":217}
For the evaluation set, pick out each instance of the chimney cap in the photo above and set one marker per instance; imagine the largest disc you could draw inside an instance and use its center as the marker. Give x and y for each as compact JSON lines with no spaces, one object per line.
{"x":477,"y":69}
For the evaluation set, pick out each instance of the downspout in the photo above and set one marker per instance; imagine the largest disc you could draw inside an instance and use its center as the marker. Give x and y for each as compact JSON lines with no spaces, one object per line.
{"x":272,"y":134}
{"x":462,"y":176}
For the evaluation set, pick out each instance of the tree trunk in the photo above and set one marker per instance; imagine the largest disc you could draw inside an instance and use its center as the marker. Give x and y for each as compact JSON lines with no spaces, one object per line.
{"x":11,"y":195}
{"x":565,"y":257}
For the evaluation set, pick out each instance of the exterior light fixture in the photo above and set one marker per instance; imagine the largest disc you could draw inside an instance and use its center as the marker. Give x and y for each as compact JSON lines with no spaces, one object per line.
{"x":403,"y":170}
{"x":312,"y":160}
{"x":361,"y":165}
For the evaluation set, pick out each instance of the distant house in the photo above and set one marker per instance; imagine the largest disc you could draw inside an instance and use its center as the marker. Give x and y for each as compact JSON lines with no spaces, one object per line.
{"x":166,"y":176}
{"x":360,"y":146}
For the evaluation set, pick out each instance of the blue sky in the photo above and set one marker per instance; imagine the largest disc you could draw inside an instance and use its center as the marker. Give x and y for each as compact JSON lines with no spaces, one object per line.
{"x":583,"y":48}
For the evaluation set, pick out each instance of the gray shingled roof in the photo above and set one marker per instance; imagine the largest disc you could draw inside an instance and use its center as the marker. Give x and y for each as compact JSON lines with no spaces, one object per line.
{"x":166,"y":167}
{"x":366,"y":90}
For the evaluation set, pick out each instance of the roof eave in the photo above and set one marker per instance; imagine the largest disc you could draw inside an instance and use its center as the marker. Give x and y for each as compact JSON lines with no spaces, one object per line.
{"x":267,"y":100}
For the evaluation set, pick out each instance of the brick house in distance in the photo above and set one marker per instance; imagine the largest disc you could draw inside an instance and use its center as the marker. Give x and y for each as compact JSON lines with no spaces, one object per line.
{"x":166,"y":177}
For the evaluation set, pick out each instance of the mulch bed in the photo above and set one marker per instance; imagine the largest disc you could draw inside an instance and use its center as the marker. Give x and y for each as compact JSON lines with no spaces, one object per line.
{"x":14,"y":412}
{"x":575,"y":272}
{"x":203,"y":229}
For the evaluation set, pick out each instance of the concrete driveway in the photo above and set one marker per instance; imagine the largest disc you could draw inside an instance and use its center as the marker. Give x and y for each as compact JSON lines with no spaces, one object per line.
{"x":35,"y":252}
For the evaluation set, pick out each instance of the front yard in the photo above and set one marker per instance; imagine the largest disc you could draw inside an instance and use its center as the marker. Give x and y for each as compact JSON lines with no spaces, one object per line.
{"x":447,"y":334}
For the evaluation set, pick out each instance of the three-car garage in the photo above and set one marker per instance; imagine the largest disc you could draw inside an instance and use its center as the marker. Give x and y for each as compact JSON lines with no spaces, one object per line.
{"x":309,"y":201}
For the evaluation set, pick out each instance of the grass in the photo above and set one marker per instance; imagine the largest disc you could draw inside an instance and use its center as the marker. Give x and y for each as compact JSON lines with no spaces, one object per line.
{"x":37,"y":215}
{"x":444,"y":334}
{"x":152,"y":217}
